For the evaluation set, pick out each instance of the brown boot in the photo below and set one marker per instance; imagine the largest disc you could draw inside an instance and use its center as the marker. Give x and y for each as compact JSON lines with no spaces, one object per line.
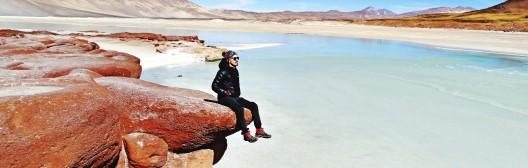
{"x":248,"y":137}
{"x":262,"y":134}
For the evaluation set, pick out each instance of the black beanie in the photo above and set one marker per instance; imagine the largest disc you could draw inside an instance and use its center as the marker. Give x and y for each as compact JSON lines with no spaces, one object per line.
{"x":228,"y":54}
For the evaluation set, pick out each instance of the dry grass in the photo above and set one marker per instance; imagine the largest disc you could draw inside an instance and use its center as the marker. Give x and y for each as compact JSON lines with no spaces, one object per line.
{"x":517,"y":22}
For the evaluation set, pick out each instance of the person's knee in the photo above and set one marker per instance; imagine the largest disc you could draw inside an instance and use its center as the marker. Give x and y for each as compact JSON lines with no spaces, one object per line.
{"x":239,"y":110}
{"x":253,"y":106}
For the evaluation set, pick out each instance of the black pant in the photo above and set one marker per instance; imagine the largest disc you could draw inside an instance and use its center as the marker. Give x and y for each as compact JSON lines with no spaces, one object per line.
{"x":237,"y":105}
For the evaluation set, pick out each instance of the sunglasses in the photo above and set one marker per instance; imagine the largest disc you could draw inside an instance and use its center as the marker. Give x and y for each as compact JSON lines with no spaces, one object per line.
{"x":236,"y":58}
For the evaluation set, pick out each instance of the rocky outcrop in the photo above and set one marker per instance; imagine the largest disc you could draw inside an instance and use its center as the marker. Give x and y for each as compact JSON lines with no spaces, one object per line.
{"x":151,"y":36}
{"x":58,"y":122}
{"x":145,"y":150}
{"x":186,"y":44}
{"x":181,"y":117}
{"x":48,"y":58}
{"x":197,"y":159}
{"x":64,"y":102}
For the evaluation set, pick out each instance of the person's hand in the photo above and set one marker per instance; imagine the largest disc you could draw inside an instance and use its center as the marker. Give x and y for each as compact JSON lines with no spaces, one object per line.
{"x":228,"y":93}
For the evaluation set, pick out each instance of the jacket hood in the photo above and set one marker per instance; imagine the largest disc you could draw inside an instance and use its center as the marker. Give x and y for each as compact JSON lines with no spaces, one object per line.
{"x":223,"y":64}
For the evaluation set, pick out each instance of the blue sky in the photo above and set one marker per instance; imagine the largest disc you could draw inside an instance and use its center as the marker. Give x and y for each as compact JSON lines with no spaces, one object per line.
{"x":398,"y":6}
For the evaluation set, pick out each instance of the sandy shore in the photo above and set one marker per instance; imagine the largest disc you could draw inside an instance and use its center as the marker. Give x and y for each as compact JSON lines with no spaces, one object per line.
{"x":506,"y":43}
{"x":146,"y":52}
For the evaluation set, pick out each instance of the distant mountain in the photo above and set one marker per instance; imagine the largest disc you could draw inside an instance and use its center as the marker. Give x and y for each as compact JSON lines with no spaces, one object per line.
{"x":377,"y":12}
{"x":459,"y":9}
{"x":367,"y":13}
{"x":185,"y":9}
{"x":509,"y":16}
{"x":105,"y":8}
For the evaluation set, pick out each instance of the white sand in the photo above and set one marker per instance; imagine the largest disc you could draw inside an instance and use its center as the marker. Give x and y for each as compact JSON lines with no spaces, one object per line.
{"x":508,"y":43}
{"x":146,"y":52}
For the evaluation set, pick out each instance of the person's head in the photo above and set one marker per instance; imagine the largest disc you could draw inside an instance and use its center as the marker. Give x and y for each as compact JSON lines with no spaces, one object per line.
{"x":231,"y":57}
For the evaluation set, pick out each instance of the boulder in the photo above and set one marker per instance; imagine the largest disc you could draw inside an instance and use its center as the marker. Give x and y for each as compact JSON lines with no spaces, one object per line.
{"x":59,"y":122}
{"x":197,"y":159}
{"x":181,"y":117}
{"x":49,"y":58}
{"x":128,"y":35}
{"x":145,"y":150}
{"x":183,"y":38}
{"x":211,"y":53}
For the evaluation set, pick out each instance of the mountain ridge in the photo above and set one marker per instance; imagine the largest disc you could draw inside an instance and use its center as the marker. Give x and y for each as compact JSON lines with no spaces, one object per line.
{"x":174,"y":9}
{"x":509,"y":16}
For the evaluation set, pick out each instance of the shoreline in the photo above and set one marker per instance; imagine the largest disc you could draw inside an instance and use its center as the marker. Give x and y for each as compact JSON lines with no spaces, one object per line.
{"x":146,"y":52}
{"x":502,"y":43}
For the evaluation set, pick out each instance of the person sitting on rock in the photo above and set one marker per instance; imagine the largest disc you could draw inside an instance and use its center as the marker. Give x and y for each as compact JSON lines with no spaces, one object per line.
{"x":226,"y":84}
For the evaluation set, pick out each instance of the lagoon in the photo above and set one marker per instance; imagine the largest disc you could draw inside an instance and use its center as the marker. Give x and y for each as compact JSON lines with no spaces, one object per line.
{"x":341,"y":102}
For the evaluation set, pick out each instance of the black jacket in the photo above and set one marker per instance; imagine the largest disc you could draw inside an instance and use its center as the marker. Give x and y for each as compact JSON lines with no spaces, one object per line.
{"x":226,"y":79}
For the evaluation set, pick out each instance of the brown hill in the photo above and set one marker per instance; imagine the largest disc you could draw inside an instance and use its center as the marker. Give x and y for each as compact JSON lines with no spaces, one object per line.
{"x":459,"y":9}
{"x":105,"y":8}
{"x":511,"y":15}
{"x":512,"y":6}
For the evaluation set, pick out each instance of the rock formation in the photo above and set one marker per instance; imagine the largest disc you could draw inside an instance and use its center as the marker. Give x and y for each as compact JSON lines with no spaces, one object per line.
{"x":179,"y":116}
{"x":198,"y":159}
{"x":145,"y":150}
{"x":64,"y":102}
{"x":57,"y":122}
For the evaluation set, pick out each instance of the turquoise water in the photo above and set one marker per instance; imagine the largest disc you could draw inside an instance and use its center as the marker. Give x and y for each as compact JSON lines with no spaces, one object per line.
{"x":343,"y":102}
{"x":340,"y":102}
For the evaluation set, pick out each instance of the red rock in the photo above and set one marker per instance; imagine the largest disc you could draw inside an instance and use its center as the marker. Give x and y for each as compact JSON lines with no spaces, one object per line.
{"x":47,"y":41}
{"x":62,"y":56}
{"x":9,"y":33}
{"x":151,"y":37}
{"x":145,"y":150}
{"x":51,"y":108}
{"x":60,"y":122}
{"x":84,"y":74}
{"x":181,"y":117}
{"x":14,"y":75}
{"x":182,"y":38}
{"x":42,"y":32}
{"x":72,"y":46}
{"x":94,"y":45}
{"x":90,"y":31}
{"x":121,"y":56}
{"x":55,"y":66}
{"x":147,"y":36}
{"x":17,"y":52}
{"x":197,"y":159}
{"x":99,"y":51}
{"x":76,"y":34}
